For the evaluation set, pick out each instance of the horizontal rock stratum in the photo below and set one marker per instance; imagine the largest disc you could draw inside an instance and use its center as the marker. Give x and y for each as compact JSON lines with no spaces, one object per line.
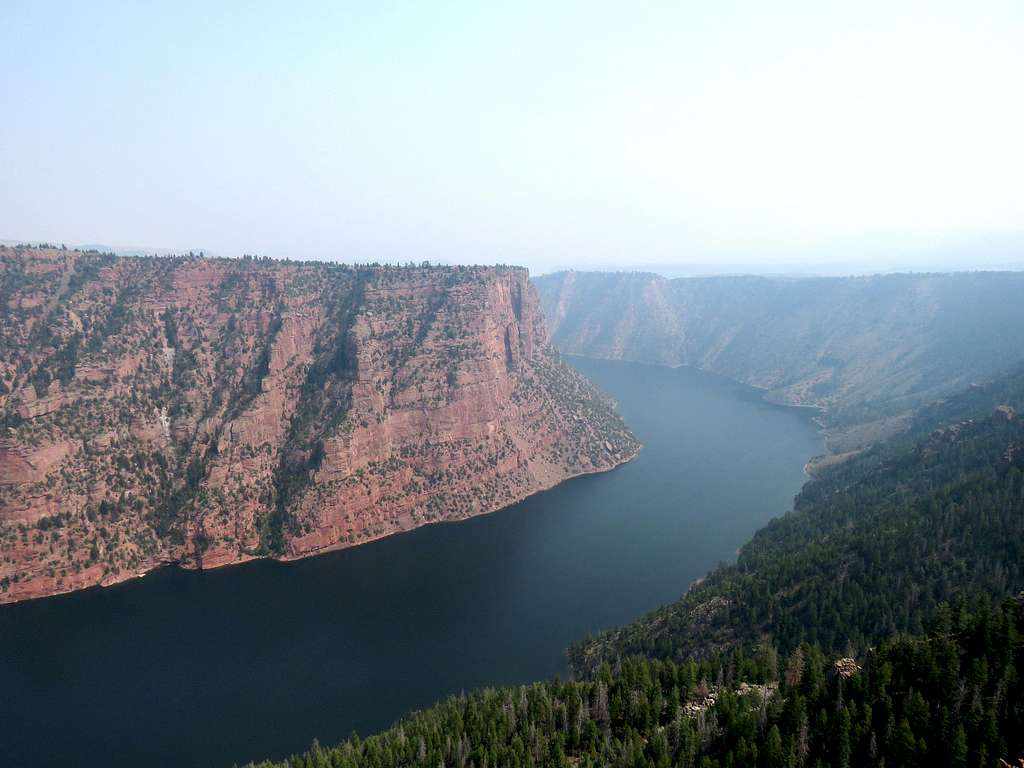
{"x":210,"y":411}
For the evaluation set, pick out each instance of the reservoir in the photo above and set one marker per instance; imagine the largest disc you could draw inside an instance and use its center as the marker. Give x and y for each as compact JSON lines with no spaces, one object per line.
{"x":252,"y":661}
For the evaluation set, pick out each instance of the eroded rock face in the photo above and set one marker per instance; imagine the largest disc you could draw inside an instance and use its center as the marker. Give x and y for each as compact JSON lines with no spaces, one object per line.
{"x":211,"y":411}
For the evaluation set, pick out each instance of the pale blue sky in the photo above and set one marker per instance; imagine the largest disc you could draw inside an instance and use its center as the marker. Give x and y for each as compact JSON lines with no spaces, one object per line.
{"x":537,"y":133}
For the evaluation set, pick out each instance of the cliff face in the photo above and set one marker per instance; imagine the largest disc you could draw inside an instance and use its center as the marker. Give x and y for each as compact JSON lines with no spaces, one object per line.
{"x":866,"y":350}
{"x":211,"y":411}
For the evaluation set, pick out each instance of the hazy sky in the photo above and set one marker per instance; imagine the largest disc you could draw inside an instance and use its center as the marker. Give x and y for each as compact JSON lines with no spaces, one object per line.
{"x":538,"y":133}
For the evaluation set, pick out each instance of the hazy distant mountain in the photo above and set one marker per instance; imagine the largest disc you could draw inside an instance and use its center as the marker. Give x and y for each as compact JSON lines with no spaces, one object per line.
{"x":866,"y":349}
{"x":869,"y":254}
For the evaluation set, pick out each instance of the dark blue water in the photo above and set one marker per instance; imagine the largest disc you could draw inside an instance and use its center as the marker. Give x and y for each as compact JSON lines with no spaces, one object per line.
{"x":190,"y":669}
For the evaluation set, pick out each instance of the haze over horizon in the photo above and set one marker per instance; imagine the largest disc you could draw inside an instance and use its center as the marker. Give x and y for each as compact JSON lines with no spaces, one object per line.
{"x":800,"y":138}
{"x":298,"y":466}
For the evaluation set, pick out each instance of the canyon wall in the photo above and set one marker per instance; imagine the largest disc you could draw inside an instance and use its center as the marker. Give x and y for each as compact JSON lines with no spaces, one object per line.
{"x":867,"y":350}
{"x":207,"y":412}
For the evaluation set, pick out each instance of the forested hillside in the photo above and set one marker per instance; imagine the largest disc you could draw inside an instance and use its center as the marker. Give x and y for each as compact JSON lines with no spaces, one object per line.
{"x":871,"y":547}
{"x":868,"y":627}
{"x":951,"y":697}
{"x":871,"y":626}
{"x":867,"y":350}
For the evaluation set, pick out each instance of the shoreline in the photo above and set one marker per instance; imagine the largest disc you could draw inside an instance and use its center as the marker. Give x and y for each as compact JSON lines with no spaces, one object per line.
{"x":323,"y":550}
{"x":819,"y":410}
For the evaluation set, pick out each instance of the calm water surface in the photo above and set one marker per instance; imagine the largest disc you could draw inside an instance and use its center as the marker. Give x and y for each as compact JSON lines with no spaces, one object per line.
{"x":197,"y":669}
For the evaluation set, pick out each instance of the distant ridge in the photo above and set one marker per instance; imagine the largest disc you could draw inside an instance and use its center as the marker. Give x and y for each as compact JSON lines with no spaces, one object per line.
{"x":867,"y":351}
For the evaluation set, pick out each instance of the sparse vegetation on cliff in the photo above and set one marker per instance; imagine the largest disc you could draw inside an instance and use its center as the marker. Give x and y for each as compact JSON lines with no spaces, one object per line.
{"x":208,"y":411}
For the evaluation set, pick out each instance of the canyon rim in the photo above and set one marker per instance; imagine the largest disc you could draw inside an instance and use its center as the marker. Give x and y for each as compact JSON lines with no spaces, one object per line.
{"x":210,"y":411}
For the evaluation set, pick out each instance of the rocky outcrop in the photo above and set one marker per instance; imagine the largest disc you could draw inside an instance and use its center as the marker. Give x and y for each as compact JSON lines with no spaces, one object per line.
{"x":207,"y":412}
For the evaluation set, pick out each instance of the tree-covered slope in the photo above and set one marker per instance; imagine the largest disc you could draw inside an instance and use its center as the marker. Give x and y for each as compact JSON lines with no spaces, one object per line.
{"x":869,"y":627}
{"x":871,"y":547}
{"x":951,"y":697}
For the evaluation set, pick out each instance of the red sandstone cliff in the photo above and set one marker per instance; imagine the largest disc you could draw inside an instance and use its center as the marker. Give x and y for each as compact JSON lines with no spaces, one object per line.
{"x":211,"y":411}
